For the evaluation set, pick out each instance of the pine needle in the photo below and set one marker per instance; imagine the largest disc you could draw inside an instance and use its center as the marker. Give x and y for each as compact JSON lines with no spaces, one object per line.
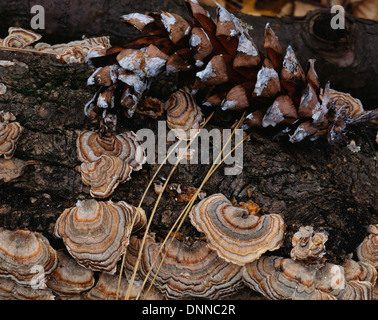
{"x":186,"y":211}
{"x":25,"y":50}
{"x":153,"y":212}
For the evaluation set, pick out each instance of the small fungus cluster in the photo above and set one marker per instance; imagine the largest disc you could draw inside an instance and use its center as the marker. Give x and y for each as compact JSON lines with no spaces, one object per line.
{"x":10,"y":132}
{"x":108,"y":160}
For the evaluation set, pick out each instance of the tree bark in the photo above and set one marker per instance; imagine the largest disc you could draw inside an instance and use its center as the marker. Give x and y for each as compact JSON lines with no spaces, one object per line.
{"x":311,"y":183}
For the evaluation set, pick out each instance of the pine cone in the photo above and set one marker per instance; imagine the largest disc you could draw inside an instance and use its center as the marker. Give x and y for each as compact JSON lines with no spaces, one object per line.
{"x":225,"y":69}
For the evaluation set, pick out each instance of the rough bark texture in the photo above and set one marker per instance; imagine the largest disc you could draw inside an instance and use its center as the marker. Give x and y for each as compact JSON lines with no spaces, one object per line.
{"x":311,"y":183}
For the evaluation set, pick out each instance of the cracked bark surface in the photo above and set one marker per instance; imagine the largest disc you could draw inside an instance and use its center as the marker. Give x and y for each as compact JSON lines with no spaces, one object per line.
{"x":311,"y":183}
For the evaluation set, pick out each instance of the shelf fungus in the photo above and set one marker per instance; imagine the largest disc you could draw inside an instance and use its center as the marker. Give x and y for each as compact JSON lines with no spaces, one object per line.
{"x":367,"y":251}
{"x":218,"y":59}
{"x":189,"y":270}
{"x":184,"y":116}
{"x":19,"y":38}
{"x":333,"y":279}
{"x":77,"y":51}
{"x":10,"y":132}
{"x":280,"y":278}
{"x":26,"y":257}
{"x":69,"y":277}
{"x":96,"y":233}
{"x":237,"y":234}
{"x":107,"y":285}
{"x":108,"y":160}
{"x":11,"y":290}
{"x":308,"y":245}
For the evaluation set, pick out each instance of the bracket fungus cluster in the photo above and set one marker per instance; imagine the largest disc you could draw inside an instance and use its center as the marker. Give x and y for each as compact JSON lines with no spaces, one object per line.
{"x":368,"y":250}
{"x":184,"y":116}
{"x":96,"y":233}
{"x":69,"y":278}
{"x":307,"y":245}
{"x":237,"y":234}
{"x":307,"y":275}
{"x":24,"y":254}
{"x":189,"y":270}
{"x":75,"y":51}
{"x":224,"y":68}
{"x":19,"y":38}
{"x":108,"y":160}
{"x":10,"y":132}
{"x":283,"y":278}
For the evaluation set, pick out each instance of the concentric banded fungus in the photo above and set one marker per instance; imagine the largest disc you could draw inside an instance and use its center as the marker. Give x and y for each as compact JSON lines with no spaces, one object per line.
{"x":77,"y":51}
{"x":279,"y":278}
{"x":184,"y":116}
{"x":125,"y":146}
{"x":26,"y":257}
{"x":104,"y":175}
{"x":332,"y":279}
{"x":359,"y":271}
{"x":19,"y":38}
{"x":190,"y":270}
{"x":9,"y":134}
{"x":11,"y":290}
{"x":238,"y":235}
{"x":367,"y":251}
{"x":307,"y":245}
{"x":69,"y":277}
{"x":97,"y":233}
{"x":107,"y":285}
{"x":108,"y":160}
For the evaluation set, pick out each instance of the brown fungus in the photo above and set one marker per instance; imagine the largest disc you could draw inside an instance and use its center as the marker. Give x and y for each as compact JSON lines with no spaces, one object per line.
{"x":9,"y":134}
{"x":97,"y":233}
{"x":189,"y":270}
{"x":26,"y":257}
{"x":238,"y":235}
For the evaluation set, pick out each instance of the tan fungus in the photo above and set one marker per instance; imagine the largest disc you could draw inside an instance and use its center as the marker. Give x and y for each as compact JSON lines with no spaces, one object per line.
{"x":236,"y":234}
{"x":97,"y":233}
{"x":26,"y":257}
{"x":190,"y":270}
{"x":9,"y":134}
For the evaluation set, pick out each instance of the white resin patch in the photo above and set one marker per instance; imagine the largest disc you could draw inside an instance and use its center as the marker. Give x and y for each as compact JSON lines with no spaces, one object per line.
{"x":168,"y":20}
{"x":131,"y":62}
{"x":263,"y":78}
{"x":298,"y":135}
{"x":225,"y":16}
{"x":290,"y":62}
{"x":195,"y":40}
{"x":91,"y":80}
{"x":134,"y":81}
{"x":207,"y":73}
{"x":199,"y":63}
{"x":154,"y":66}
{"x":143,"y":18}
{"x":272,"y":116}
{"x":101,"y":102}
{"x":228,"y":104}
{"x":246,"y":46}
{"x":319,"y":112}
{"x":114,"y":69}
